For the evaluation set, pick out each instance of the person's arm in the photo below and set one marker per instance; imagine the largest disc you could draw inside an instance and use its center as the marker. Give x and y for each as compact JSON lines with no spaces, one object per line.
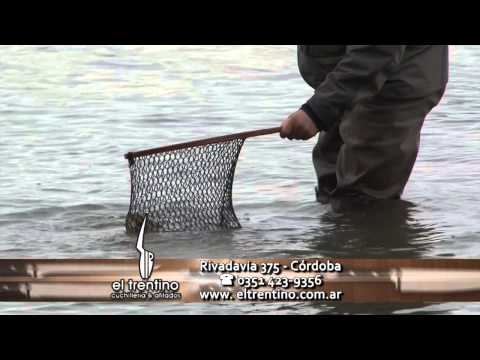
{"x":359,"y":75}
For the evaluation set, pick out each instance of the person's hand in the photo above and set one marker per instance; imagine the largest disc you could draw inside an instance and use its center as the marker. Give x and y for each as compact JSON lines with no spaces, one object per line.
{"x":298,"y":126}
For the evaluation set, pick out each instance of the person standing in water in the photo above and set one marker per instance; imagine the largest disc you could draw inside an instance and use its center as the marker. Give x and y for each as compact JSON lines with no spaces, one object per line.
{"x":369,"y":106}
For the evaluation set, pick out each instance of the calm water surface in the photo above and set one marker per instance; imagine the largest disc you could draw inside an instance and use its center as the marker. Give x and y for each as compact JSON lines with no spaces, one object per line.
{"x":69,"y":113}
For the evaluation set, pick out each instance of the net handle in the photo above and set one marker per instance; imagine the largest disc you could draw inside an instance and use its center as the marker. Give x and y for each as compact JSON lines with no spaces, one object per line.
{"x":213,"y":140}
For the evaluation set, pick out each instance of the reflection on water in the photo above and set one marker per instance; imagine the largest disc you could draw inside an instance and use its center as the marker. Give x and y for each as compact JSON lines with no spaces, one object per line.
{"x":69,"y":113}
{"x":385,"y":227}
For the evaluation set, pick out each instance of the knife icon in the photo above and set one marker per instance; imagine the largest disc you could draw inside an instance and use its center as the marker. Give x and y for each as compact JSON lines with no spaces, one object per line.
{"x":147,"y":258}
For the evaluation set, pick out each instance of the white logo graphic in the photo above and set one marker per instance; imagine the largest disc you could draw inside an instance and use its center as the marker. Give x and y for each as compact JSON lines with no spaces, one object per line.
{"x":147,"y":258}
{"x":227,"y":279}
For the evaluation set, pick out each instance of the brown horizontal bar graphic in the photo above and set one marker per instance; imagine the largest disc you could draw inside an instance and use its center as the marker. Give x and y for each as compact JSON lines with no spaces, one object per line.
{"x":360,"y":281}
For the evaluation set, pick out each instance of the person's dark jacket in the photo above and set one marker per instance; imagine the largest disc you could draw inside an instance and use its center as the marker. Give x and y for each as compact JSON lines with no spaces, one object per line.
{"x":345,"y":75}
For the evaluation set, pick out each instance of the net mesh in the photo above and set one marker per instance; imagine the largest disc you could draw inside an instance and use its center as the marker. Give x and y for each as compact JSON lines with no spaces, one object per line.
{"x":184,"y":188}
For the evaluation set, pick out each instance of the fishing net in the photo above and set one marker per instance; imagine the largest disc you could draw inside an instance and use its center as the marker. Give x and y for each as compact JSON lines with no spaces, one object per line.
{"x":186,"y":187}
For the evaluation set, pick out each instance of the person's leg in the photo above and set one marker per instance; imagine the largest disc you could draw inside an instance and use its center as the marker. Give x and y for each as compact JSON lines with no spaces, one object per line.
{"x":324,"y":156}
{"x":381,"y":143}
